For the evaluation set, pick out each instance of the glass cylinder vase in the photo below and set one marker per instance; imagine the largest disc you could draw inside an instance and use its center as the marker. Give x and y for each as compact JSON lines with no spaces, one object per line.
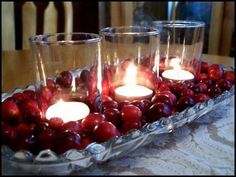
{"x":130,"y":62}
{"x":181,"y":44}
{"x":67,"y":68}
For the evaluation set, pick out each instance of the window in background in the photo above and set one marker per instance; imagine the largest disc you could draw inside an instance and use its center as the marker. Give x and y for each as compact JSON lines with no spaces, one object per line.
{"x":218,"y":17}
{"x":147,"y":12}
{"x":196,"y":11}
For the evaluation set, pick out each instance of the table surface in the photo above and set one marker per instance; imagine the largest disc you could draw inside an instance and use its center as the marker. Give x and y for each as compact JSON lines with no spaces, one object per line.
{"x":17,"y":70}
{"x":203,"y":147}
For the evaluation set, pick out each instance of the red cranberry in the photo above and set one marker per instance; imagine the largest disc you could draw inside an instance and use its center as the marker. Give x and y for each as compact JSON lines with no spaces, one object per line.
{"x":166,"y":84}
{"x":24,"y":129}
{"x":213,"y":66}
{"x":177,"y":87}
{"x":45,"y":93}
{"x":26,"y":143}
{"x":20,"y":96}
{"x":12,"y":100}
{"x":109,"y":104}
{"x":201,"y":76}
{"x":105,"y":87}
{"x":31,"y":112}
{"x":57,"y":90}
{"x":91,"y":120}
{"x":55,"y":122}
{"x":189,"y":84}
{"x":224,"y":84}
{"x":200,"y":88}
{"x":123,"y":103}
{"x":64,"y":79}
{"x":31,"y":94}
{"x":40,"y":127}
{"x":214,"y":91}
{"x":74,"y":126}
{"x":185,"y":102}
{"x":43,"y":104}
{"x":143,"y":105}
{"x":106,"y":98}
{"x":51,"y":84}
{"x":85,"y":76}
{"x":9,"y":135}
{"x":67,"y":140}
{"x":93,"y":70}
{"x":10,"y":112}
{"x":114,"y":116}
{"x":201,"y":97}
{"x":230,"y":76}
{"x":131,"y":113}
{"x":85,"y":141}
{"x":78,"y":82}
{"x":162,"y":88}
{"x":215,"y":72}
{"x":92,"y":85}
{"x":107,"y":75}
{"x":157,"y":111}
{"x":204,"y":67}
{"x":130,"y":125}
{"x":170,"y":95}
{"x":186,"y":91}
{"x":160,"y":98}
{"x":105,"y":131}
{"x":208,"y":82}
{"x":46,"y":139}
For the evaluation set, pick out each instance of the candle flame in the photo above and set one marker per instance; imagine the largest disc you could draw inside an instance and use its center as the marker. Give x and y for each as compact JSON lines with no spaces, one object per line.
{"x":130,"y":77}
{"x":73,"y":85}
{"x":175,"y":63}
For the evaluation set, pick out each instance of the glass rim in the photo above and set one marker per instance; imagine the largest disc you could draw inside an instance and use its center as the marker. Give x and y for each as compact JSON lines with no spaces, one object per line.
{"x":178,"y":23}
{"x":107,"y":31}
{"x":41,"y":38}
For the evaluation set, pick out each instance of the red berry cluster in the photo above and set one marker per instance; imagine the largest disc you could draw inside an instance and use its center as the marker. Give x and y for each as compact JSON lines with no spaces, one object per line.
{"x":25,"y":127}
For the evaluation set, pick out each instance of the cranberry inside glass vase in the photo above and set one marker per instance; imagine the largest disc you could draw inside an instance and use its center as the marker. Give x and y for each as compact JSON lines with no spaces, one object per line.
{"x":130,"y":56}
{"x":67,"y":73}
{"x":181,"y":45}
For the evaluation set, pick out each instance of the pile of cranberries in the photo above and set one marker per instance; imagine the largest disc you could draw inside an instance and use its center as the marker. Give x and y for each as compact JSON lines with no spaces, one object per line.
{"x":24,"y":126}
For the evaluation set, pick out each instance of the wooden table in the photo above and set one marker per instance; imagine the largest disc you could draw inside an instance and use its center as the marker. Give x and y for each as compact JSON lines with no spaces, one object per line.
{"x":17,"y":68}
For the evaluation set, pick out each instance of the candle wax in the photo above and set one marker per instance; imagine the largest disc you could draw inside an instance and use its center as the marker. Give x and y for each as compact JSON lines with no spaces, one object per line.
{"x":178,"y":74}
{"x":132,"y":92}
{"x":68,"y":111}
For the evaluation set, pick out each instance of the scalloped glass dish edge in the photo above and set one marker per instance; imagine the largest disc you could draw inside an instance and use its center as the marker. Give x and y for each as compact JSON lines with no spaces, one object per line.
{"x":48,"y":162}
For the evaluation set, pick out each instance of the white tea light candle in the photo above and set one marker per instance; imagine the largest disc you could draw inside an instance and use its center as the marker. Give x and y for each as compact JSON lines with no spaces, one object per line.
{"x":68,"y":111}
{"x":177,"y":73}
{"x":131,"y":91}
{"x":136,"y":92}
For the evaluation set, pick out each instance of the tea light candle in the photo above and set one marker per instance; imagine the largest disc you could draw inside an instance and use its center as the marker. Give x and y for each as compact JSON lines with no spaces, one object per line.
{"x":68,"y":111}
{"x":177,"y":73}
{"x":131,"y":91}
{"x":136,"y":92}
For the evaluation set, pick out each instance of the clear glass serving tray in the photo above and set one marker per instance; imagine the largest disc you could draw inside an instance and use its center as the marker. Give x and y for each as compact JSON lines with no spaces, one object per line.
{"x":48,"y":162}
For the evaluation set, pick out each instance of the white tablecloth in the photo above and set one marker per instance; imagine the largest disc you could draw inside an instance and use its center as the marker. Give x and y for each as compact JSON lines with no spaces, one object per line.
{"x":203,"y":147}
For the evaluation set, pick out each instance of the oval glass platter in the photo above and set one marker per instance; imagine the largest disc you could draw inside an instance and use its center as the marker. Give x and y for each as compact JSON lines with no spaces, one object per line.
{"x":48,"y":162}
